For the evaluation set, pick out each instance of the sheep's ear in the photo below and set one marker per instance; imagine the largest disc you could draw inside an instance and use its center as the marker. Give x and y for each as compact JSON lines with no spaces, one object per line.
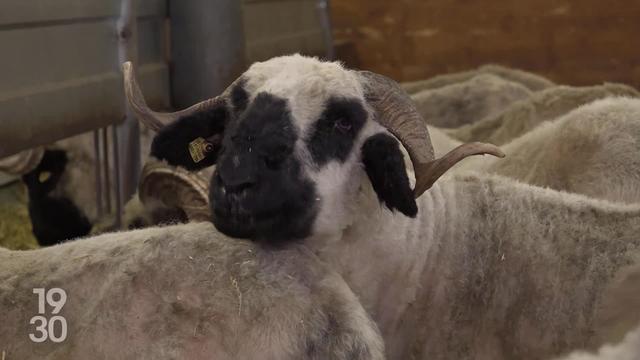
{"x":46,"y":175}
{"x":384,"y":164}
{"x":193,"y":141}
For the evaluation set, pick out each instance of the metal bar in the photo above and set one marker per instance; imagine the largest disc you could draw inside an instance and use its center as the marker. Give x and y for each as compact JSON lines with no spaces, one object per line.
{"x":98,"y":179}
{"x":128,"y":131}
{"x":324,"y":12}
{"x":107,"y":170}
{"x":201,"y":68}
{"x":116,"y":179}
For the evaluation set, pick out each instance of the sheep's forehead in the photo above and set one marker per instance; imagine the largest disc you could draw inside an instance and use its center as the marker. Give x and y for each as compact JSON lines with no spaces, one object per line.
{"x":306,"y":84}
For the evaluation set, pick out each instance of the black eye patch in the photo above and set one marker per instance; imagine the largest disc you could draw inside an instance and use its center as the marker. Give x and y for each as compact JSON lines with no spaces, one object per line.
{"x":333,"y":134}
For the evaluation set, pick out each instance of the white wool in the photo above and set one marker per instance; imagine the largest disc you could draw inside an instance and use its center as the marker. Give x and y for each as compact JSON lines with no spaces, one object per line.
{"x":487,"y":258}
{"x":591,"y":150}
{"x":184,"y":292}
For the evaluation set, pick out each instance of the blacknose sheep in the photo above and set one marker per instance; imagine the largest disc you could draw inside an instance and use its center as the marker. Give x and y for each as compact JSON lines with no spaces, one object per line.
{"x":181,"y":292}
{"x":74,"y":161}
{"x":466,"y":102}
{"x":61,"y":190}
{"x":529,"y":80}
{"x":54,"y":219}
{"x":478,"y":267}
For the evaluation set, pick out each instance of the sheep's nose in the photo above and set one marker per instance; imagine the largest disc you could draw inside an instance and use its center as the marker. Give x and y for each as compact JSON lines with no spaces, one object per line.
{"x":239,"y":187}
{"x":237,"y":180}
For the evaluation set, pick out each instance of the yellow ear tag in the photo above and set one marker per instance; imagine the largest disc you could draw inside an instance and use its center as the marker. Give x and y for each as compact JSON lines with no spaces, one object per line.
{"x":44,"y":176}
{"x":198,"y":149}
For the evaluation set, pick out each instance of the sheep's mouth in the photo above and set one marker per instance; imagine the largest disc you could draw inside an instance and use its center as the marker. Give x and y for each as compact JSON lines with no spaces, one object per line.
{"x":275,"y":222}
{"x":237,"y":226}
{"x":234,"y":216}
{"x":234,"y":221}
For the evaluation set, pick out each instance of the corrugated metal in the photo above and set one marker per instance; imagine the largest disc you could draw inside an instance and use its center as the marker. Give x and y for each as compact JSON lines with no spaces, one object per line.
{"x":60,"y":70}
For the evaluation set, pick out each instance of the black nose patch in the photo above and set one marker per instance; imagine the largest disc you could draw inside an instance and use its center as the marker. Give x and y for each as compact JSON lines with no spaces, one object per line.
{"x":333,"y":135}
{"x":258,"y":190}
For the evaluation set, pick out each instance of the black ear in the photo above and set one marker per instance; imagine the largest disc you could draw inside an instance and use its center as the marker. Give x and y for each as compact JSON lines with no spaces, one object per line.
{"x":384,"y":164}
{"x":44,"y":178}
{"x":172,"y":143}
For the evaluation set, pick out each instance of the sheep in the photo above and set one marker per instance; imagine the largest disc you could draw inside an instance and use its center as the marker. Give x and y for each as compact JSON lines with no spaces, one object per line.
{"x":524,"y":115}
{"x":592,"y":150}
{"x":182,"y":292}
{"x":467,"y":102}
{"x":67,"y":209}
{"x":61,"y":190}
{"x":479,"y":266}
{"x":531,"y":81}
{"x":53,"y":219}
{"x":54,"y":212}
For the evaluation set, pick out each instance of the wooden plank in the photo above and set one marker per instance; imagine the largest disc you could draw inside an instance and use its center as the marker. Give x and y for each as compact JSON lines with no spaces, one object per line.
{"x":47,"y":114}
{"x":31,"y":12}
{"x":574,"y":43}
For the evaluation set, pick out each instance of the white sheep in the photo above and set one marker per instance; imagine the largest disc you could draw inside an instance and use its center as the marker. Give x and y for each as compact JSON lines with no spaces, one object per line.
{"x":524,"y":115}
{"x":466,"y":102}
{"x":181,"y":292}
{"x":478,"y":267}
{"x":592,"y":150}
{"x":531,"y":81}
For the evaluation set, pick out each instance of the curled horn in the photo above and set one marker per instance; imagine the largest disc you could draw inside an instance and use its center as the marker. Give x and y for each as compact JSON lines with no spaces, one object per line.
{"x":22,"y":162}
{"x":152,"y":119}
{"x":395,"y":111}
{"x":175,"y":188}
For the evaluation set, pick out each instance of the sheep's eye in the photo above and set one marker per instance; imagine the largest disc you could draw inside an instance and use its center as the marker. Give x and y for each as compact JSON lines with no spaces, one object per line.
{"x":343,"y":125}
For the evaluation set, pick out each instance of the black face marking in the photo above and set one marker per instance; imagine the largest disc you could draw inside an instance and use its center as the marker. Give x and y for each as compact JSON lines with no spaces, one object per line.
{"x":53,"y":164}
{"x":334,"y":133}
{"x":172,"y":142}
{"x":53,"y":220}
{"x":384,"y":165}
{"x":239,"y":97}
{"x":258,"y":190}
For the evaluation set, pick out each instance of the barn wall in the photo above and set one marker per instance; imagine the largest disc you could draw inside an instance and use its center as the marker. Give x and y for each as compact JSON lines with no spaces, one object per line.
{"x":576,"y":42}
{"x":277,"y":27}
{"x":60,"y":68}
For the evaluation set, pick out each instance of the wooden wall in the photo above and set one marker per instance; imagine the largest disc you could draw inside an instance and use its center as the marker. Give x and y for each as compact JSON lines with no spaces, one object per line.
{"x":575,"y":42}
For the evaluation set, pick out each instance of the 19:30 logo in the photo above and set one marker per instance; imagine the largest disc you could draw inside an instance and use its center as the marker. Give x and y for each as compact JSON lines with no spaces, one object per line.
{"x":55,"y":327}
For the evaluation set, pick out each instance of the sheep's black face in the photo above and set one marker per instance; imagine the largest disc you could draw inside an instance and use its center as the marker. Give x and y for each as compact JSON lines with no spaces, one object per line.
{"x":293,"y":143}
{"x":258,"y":190}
